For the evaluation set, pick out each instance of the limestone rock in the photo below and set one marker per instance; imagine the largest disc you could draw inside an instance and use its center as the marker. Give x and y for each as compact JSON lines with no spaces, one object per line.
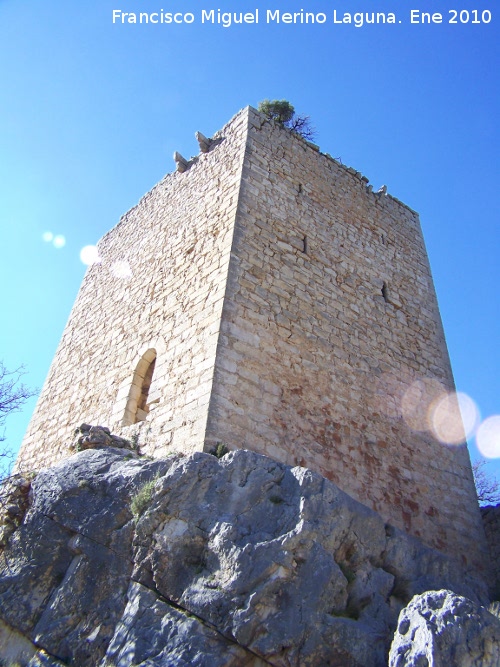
{"x":66,"y":569}
{"x":18,"y":650}
{"x":42,"y":659}
{"x":204,"y":561}
{"x":153,"y":632}
{"x":13,"y":504}
{"x":442,"y":629}
{"x":96,"y":437}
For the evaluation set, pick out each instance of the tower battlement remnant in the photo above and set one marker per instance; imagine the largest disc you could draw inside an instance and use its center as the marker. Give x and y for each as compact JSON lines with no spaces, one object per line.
{"x":266,"y":297}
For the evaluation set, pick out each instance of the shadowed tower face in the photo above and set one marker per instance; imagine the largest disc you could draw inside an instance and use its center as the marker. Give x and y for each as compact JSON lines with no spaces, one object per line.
{"x":271,"y":300}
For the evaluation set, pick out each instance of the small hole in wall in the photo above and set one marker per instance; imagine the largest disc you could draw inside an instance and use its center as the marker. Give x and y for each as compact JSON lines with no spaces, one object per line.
{"x":304,"y":245}
{"x":382,"y":238}
{"x":299,"y":189}
{"x":384,"y":293}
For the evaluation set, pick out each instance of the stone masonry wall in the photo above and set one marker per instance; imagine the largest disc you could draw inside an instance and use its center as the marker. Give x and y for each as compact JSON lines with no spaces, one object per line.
{"x":491,"y":521}
{"x":332,"y":348}
{"x":160,"y":286}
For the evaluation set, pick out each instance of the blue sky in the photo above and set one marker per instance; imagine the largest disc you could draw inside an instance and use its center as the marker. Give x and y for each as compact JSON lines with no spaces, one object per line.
{"x":91,"y":112}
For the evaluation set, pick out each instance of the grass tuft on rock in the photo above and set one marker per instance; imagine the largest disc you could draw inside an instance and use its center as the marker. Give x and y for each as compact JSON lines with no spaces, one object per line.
{"x":142,"y":498}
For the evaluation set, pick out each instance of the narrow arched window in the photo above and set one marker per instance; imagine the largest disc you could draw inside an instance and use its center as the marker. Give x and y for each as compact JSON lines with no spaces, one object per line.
{"x":137,"y":403}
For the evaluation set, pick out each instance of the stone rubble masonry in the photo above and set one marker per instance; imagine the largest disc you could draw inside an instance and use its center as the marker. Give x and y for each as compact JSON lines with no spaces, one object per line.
{"x":176,"y":244}
{"x":290,"y":308}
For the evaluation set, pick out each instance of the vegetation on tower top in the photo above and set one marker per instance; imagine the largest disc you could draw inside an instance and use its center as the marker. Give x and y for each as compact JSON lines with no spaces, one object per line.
{"x":283,"y":113}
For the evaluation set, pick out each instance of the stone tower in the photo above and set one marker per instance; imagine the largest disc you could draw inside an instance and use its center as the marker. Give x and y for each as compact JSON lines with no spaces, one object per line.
{"x":263,"y":296}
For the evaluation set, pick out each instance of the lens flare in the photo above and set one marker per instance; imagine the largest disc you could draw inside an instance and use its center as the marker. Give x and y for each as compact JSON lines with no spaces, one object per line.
{"x":59,"y":241}
{"x":470,"y":413}
{"x":89,"y":255}
{"x":121,"y":269}
{"x":417,"y":400}
{"x":47,"y":237}
{"x":453,"y":417}
{"x":488,"y":437}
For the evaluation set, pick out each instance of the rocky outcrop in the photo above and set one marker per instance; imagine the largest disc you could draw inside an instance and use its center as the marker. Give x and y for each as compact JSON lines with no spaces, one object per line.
{"x":87,"y":436}
{"x":204,"y":561}
{"x":14,"y":504}
{"x":442,"y":629}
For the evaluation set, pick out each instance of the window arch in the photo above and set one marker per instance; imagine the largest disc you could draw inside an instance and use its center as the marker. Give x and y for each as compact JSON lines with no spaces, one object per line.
{"x":137,"y":406}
